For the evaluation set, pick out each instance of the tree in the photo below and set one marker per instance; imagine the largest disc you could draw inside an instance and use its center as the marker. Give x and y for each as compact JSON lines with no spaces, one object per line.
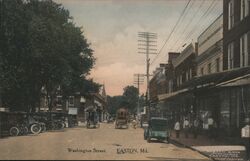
{"x":131,"y":96}
{"x":40,"y":46}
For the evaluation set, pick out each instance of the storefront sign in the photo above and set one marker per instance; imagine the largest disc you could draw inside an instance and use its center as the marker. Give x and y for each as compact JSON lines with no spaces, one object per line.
{"x":245,"y":132}
{"x":73,"y":111}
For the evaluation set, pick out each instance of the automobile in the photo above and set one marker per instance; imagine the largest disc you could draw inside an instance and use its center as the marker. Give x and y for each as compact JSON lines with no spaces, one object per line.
{"x":122,"y":118}
{"x":158,"y":128}
{"x":92,"y":120}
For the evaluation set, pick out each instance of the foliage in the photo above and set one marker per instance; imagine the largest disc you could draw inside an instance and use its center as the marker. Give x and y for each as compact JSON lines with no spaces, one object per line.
{"x":40,"y":46}
{"x":129,"y":100}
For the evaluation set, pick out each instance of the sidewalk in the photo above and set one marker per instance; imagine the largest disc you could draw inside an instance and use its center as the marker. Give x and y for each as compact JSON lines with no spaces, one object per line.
{"x":217,"y":149}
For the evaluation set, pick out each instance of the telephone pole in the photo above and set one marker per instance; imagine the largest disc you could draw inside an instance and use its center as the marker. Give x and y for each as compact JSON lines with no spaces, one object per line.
{"x":138,"y":80}
{"x":147,"y":45}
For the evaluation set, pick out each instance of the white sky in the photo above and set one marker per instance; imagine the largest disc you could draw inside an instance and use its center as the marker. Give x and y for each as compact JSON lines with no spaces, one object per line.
{"x":111,"y":26}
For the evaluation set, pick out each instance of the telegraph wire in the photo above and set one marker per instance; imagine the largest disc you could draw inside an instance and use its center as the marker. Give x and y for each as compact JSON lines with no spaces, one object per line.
{"x":171,"y":32}
{"x":198,"y":22}
{"x":189,"y":22}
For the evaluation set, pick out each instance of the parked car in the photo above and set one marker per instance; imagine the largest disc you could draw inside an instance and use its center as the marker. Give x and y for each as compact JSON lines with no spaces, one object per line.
{"x":158,"y":128}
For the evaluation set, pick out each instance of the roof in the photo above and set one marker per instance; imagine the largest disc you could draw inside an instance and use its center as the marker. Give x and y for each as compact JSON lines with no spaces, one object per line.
{"x":189,"y":50}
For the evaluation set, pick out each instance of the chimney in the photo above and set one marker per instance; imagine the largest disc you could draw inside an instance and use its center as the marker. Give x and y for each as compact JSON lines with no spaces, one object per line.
{"x":172,"y":56}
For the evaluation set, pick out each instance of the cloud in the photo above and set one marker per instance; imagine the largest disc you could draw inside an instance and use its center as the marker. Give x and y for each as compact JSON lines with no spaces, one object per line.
{"x":116,"y":76}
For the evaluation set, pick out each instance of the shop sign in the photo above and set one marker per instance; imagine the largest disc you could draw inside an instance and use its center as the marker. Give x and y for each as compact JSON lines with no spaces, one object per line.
{"x":245,"y":132}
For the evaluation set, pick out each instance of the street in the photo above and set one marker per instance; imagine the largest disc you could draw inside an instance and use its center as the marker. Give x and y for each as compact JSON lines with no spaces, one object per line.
{"x":93,"y":144}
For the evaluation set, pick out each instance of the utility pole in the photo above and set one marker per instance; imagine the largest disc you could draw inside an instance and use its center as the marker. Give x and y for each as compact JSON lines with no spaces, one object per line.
{"x":147,"y":45}
{"x":138,"y":80}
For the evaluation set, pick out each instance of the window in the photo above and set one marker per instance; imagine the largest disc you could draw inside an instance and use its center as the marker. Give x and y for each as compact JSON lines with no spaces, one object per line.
{"x":180,"y":79}
{"x":202,"y":71}
{"x":244,"y":50}
{"x":59,"y":100}
{"x":190,"y":73}
{"x":187,"y":75}
{"x":244,"y":9}
{"x":170,"y":84}
{"x":209,"y":68}
{"x":217,"y":64}
{"x":71,"y":100}
{"x":230,"y":14}
{"x":230,"y":54}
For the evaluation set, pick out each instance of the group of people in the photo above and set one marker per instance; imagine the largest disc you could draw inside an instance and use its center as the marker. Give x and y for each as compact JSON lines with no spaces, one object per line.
{"x":194,"y":127}
{"x":186,"y":128}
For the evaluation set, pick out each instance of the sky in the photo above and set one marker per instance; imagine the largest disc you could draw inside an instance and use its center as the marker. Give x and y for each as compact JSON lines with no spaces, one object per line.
{"x":112,"y":26}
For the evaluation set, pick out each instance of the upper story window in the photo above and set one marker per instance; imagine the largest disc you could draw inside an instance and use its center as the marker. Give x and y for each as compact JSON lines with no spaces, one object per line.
{"x":209,"y":68}
{"x":190,"y":73}
{"x":230,"y":55}
{"x":170,"y":85}
{"x":202,"y":71}
{"x":230,"y":14}
{"x":244,"y":51}
{"x":217,"y":61}
{"x":187,"y":75}
{"x":244,"y":8}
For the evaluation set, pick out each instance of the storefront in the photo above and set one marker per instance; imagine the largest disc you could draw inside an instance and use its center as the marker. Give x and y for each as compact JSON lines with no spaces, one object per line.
{"x":223,"y":97}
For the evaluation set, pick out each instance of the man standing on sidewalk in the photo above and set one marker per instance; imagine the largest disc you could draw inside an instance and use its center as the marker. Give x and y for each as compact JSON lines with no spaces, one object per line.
{"x":177,"y":129}
{"x":186,"y":127}
{"x":245,"y":134}
{"x":195,"y":128}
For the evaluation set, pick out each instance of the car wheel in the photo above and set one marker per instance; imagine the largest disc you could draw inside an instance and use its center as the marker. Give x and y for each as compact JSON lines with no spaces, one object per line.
{"x":35,"y":129}
{"x":167,"y":139}
{"x":14,"y":131}
{"x":148,"y":139}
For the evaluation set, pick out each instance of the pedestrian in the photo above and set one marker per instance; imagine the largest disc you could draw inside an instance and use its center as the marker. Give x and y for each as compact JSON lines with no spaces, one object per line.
{"x":177,"y":129}
{"x":195,"y":128}
{"x":186,"y":127}
{"x":211,"y":127}
{"x":245,"y":134}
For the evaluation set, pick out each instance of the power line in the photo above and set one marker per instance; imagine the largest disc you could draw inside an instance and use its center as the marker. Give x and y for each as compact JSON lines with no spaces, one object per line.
{"x":171,"y":32}
{"x":198,"y":22}
{"x":189,"y":22}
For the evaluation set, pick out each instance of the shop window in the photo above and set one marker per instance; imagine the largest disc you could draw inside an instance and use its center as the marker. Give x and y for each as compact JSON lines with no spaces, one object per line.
{"x":71,"y":100}
{"x":225,"y":109}
{"x":58,"y":100}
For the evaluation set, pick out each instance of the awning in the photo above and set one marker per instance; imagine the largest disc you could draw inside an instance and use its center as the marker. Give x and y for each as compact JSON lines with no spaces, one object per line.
{"x":216,"y":78}
{"x":239,"y":81}
{"x":168,"y":95}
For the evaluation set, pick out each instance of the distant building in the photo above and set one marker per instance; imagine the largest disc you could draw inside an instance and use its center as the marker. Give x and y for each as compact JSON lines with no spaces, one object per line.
{"x":185,"y":65}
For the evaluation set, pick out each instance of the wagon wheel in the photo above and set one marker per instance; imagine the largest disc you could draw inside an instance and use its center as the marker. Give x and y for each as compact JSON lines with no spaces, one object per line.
{"x":35,"y":128}
{"x":14,"y":131}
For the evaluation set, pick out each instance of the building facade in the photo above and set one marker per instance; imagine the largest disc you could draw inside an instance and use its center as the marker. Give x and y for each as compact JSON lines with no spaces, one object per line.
{"x":210,"y":49}
{"x":236,"y":34}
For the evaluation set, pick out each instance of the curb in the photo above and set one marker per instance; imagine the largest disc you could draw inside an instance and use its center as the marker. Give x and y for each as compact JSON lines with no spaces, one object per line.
{"x":186,"y":146}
